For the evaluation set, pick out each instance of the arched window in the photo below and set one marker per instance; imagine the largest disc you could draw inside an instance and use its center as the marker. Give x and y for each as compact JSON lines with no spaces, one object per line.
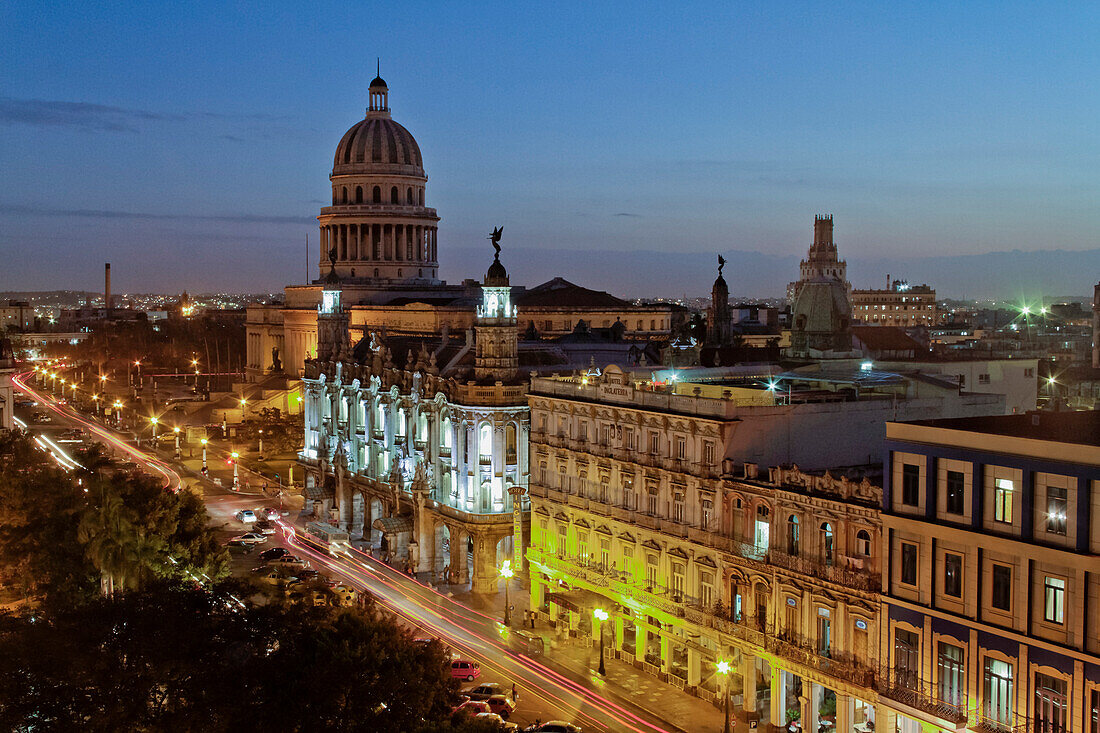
{"x":377,"y":195}
{"x":828,"y":556}
{"x":376,"y":272}
{"x":420,"y":272}
{"x":762,"y":529}
{"x":446,"y":429}
{"x":485,"y":441}
{"x":400,"y":422}
{"x":510,"y":443}
{"x":380,"y":417}
{"x":334,"y":196}
{"x":344,"y":195}
{"x":421,"y":197}
{"x":863,"y":543}
{"x":393,"y":196}
{"x":409,"y":196}
{"x":422,"y":427}
{"x":792,"y":535}
{"x":358,"y":194}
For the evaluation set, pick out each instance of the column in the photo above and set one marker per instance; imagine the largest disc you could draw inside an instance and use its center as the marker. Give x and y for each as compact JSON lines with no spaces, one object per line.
{"x":641,"y":640}
{"x":748,"y":682}
{"x":357,"y":514}
{"x":617,"y":642}
{"x":459,"y":555}
{"x":694,"y":667}
{"x":776,"y":712}
{"x":843,"y":713}
{"x":368,"y":521}
{"x":666,"y":654}
{"x":804,"y":705}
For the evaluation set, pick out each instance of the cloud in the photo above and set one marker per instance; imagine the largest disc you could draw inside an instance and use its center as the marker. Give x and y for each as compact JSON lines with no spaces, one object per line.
{"x":632,"y":216}
{"x":104,"y":118}
{"x":108,"y":214}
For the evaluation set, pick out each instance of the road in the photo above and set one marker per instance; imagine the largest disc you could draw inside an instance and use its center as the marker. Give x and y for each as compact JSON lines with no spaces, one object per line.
{"x":547,"y":692}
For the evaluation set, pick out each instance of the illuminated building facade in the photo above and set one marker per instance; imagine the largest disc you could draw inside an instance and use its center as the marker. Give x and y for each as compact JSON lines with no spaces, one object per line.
{"x":638,"y":509}
{"x":902,"y":305}
{"x":427,"y":461}
{"x":991,"y":602}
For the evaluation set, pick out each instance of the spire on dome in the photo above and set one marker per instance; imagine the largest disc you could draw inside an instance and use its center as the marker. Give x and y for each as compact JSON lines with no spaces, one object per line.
{"x":379,"y":92}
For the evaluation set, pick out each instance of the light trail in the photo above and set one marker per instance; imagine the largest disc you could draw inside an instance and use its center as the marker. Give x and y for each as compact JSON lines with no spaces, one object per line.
{"x":172,"y":480}
{"x":441,"y":615}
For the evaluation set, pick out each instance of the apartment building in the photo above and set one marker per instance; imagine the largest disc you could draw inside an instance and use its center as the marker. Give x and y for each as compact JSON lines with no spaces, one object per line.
{"x":901,"y":304}
{"x":991,"y":602}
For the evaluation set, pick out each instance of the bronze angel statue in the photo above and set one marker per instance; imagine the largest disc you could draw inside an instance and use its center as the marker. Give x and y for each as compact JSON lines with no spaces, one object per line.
{"x":495,"y":238}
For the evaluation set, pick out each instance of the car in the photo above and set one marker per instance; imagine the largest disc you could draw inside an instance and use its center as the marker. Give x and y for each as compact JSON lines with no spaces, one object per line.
{"x":274,"y":553}
{"x":307,"y":574}
{"x":498,"y":719}
{"x":270,"y":575}
{"x":484,"y":691}
{"x":253,"y":537}
{"x":270,"y":513}
{"x":42,"y":417}
{"x":464,"y":669}
{"x":345,"y":594}
{"x":289,"y":561}
{"x":236,"y":545}
{"x":264,"y":527}
{"x":502,"y":705}
{"x":553,"y":726}
{"x":245,"y":515}
{"x":472,"y":707}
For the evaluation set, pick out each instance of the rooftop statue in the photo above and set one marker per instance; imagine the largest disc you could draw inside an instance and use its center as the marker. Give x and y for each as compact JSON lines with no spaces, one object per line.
{"x":495,"y":239}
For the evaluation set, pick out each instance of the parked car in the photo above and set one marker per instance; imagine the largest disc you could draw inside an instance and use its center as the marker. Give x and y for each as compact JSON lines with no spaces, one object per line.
{"x":253,"y":537}
{"x":292,"y":562}
{"x":246,"y":515}
{"x":236,"y":545}
{"x":472,"y":707}
{"x":498,"y":719}
{"x":270,"y":575}
{"x":484,"y":691}
{"x":307,"y":574}
{"x":553,"y":726}
{"x":263,"y":526}
{"x":42,"y":417}
{"x":345,"y":595}
{"x":274,"y":553}
{"x":464,"y":669}
{"x":502,"y":705}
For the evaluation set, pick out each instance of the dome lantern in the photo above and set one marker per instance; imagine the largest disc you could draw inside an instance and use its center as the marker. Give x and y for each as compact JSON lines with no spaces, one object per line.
{"x":379,"y":94}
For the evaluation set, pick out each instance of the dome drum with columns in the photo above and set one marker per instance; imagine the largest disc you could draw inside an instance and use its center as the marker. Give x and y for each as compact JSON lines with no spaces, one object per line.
{"x":378,"y":224}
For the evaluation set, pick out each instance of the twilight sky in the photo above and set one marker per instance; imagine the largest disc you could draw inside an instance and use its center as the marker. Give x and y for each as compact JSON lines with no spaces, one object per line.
{"x":190,"y":144}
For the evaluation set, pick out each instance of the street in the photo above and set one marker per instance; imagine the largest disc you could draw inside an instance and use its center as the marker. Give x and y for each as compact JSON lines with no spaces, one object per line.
{"x":547,"y":690}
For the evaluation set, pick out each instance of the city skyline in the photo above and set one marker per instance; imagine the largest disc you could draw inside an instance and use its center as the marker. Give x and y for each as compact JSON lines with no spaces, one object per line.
{"x":929,"y":134}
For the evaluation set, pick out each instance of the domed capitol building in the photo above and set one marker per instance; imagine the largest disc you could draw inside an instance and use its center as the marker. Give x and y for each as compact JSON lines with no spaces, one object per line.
{"x":381,"y":240}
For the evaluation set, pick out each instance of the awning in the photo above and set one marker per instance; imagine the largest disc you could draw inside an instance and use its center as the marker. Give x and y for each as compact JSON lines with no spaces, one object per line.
{"x":327,"y":490}
{"x":564,"y":601}
{"x":393,"y":525}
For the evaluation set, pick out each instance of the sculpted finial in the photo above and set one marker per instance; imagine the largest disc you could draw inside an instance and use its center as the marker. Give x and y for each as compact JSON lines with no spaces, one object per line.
{"x":495,"y":239}
{"x":721,"y":264}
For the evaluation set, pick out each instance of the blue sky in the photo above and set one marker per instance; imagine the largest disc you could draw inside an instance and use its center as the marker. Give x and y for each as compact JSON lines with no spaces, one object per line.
{"x":190,"y":144}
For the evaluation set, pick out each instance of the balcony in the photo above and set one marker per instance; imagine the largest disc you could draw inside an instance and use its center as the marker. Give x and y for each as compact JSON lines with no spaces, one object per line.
{"x":848,"y":577}
{"x":906,"y":688}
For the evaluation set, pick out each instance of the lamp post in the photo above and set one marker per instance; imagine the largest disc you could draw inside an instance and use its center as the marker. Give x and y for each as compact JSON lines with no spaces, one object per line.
{"x":601,"y":617}
{"x":236,"y":478}
{"x":203,"y":441}
{"x":118,"y":413}
{"x":95,"y":401}
{"x":724,"y":670}
{"x":195,"y":366}
{"x":261,"y":450}
{"x":154,"y":421}
{"x":506,"y":572}
{"x":176,"y":430}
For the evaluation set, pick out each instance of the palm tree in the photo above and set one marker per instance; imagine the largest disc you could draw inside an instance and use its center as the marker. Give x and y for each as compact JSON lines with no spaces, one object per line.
{"x":109,"y":538}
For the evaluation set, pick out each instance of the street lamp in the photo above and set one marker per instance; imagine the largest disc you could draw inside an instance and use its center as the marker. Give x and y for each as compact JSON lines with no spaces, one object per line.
{"x":154,"y":421}
{"x":204,"y":442}
{"x":176,"y":430}
{"x":118,"y":413}
{"x":601,"y":617}
{"x":724,"y":670}
{"x":95,"y":401}
{"x":506,"y":572}
{"x":236,"y":479}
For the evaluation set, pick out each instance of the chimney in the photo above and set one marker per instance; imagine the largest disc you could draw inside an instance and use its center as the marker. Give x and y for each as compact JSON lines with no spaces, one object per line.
{"x":107,"y":286}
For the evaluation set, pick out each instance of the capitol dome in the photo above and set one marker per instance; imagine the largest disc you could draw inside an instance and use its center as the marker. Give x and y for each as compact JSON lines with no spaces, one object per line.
{"x":377,"y":144}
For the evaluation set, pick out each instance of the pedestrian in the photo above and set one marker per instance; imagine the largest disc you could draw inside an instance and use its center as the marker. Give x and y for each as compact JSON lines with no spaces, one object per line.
{"x":515,"y":693}
{"x":447,"y":574}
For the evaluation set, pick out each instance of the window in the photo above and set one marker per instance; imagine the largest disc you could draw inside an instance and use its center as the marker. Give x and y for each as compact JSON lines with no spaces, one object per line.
{"x":1002,"y":501}
{"x":582,"y":431}
{"x":628,"y":438}
{"x":1002,"y":587}
{"x":997,"y":691}
{"x":827,"y":554}
{"x":762,"y":533}
{"x":605,"y":435}
{"x":1051,"y":715}
{"x":792,"y":535}
{"x":863,"y":543}
{"x":654,"y":443}
{"x":952,"y":574}
{"x":908,"y":563}
{"x":706,"y":589}
{"x":605,"y":552}
{"x":910,"y":485}
{"x":582,"y":545}
{"x":681,"y":448}
{"x":651,"y":501}
{"x":1056,"y":510}
{"x":628,"y":558}
{"x":824,"y":632}
{"x":956,"y":492}
{"x":628,"y":492}
{"x":678,"y":507}
{"x":678,"y":578}
{"x":548,"y":326}
{"x":651,"y":570}
{"x":708,"y":453}
{"x":983,"y":379}
{"x":1054,"y":597}
{"x":707,"y":513}
{"x":907,"y":659}
{"x":952,"y":683}
{"x":1029,"y":372}
{"x":1094,"y":712}
{"x":562,"y":530}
